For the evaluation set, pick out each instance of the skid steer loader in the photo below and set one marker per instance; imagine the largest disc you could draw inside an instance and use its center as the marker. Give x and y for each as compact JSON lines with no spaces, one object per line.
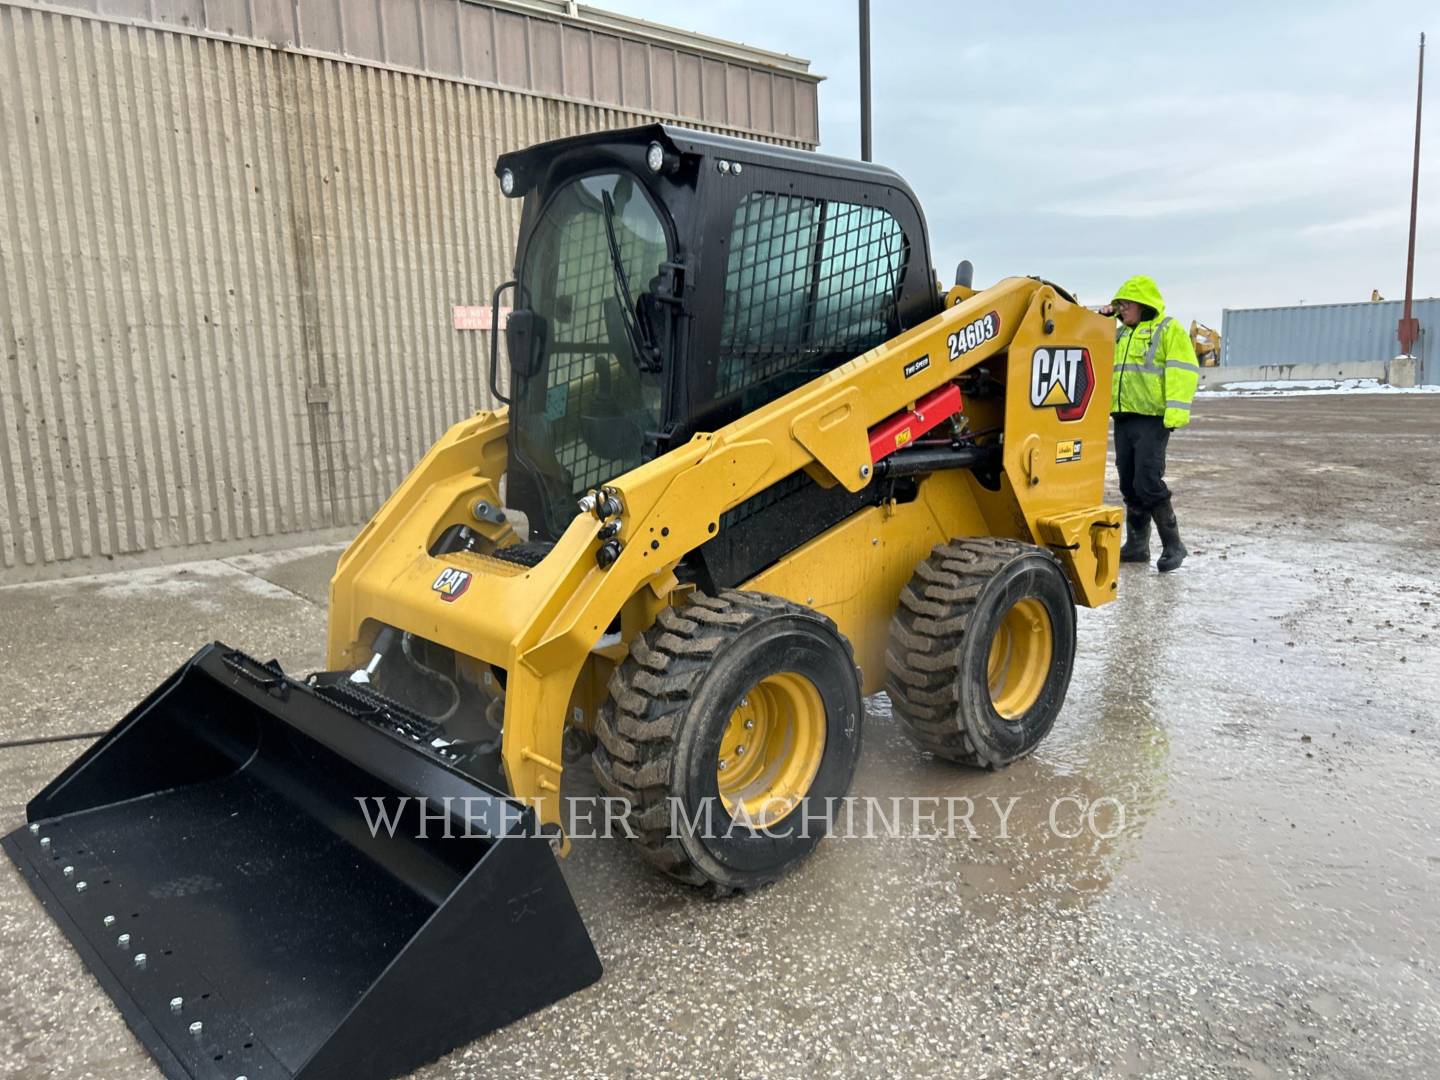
{"x":765,"y":466}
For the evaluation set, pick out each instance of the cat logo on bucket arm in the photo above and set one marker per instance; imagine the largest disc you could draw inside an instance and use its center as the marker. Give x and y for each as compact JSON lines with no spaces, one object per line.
{"x":451,"y":583}
{"x":1062,"y":379}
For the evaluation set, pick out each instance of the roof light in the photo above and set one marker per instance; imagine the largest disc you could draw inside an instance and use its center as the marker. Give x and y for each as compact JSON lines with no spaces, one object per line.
{"x":655,"y":157}
{"x":507,"y":182}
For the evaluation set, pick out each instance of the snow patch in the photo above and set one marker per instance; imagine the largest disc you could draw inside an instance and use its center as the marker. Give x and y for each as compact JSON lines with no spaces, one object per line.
{"x":258,"y":586}
{"x":198,"y":583}
{"x":186,"y":580}
{"x":1311,"y":387}
{"x":258,"y":562}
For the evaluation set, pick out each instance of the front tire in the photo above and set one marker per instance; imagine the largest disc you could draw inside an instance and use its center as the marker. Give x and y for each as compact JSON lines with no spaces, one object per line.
{"x":743,"y":710}
{"x":982,"y":647}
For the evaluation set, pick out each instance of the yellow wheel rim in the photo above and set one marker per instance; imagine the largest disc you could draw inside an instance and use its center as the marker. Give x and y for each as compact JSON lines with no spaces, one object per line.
{"x":1020,"y":655}
{"x":772,"y":748}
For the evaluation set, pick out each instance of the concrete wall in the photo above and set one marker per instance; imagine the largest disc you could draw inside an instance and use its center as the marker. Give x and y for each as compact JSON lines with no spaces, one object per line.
{"x":227,"y":281}
{"x":1400,"y":374}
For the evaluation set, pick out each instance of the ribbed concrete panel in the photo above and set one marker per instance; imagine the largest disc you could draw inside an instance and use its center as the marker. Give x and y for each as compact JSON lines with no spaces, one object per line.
{"x":227,"y":276}
{"x":546,"y":47}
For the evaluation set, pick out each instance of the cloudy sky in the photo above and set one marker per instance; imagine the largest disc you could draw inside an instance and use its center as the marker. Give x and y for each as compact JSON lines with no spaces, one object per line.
{"x":1243,"y":154}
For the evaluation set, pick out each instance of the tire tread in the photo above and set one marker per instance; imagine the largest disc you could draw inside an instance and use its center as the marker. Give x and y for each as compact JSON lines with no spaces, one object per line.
{"x":927,"y":634}
{"x":650,"y":691}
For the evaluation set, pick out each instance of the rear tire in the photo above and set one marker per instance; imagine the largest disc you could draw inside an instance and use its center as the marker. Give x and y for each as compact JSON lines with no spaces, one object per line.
{"x":982,"y":647}
{"x":741,"y":701}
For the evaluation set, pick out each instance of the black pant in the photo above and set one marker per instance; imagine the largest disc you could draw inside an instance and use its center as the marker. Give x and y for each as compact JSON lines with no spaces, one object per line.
{"x":1140,"y":443}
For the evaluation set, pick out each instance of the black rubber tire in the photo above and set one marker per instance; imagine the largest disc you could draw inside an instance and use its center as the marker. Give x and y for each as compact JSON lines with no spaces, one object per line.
{"x":670,"y":700}
{"x":940,"y":641}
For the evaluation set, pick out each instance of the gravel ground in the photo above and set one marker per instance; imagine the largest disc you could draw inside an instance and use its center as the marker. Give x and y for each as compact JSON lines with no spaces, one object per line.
{"x":1262,"y":905}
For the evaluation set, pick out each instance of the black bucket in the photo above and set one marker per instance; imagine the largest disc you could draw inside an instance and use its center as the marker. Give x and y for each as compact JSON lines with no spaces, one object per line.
{"x":210,"y":862}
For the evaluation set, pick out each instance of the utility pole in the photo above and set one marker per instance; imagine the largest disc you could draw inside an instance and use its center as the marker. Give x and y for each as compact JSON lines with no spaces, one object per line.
{"x":1409,"y":328}
{"x":865,"y":147}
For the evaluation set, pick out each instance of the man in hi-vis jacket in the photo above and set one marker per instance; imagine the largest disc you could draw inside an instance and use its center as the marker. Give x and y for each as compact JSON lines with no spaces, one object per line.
{"x":1152,"y":387}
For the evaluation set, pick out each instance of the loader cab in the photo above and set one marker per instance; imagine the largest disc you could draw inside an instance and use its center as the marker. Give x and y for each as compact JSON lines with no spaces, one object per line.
{"x":669,"y":281}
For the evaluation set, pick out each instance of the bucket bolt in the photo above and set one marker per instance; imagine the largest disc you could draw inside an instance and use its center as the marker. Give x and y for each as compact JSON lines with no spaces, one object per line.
{"x":69,"y":871}
{"x":176,"y":1004}
{"x":140,"y":959}
{"x":488,"y":512}
{"x":123,"y":941}
{"x":609,"y":504}
{"x":607,"y":553}
{"x":34,"y":828}
{"x":109,"y":920}
{"x":196,"y":1027}
{"x":80,"y":886}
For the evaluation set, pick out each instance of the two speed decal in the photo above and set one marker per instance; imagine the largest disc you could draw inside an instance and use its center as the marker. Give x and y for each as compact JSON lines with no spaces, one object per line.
{"x":973,"y":335}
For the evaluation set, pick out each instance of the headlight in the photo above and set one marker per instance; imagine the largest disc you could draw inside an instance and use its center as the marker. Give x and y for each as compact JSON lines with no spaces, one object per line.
{"x":507,"y":182}
{"x":655,"y":157}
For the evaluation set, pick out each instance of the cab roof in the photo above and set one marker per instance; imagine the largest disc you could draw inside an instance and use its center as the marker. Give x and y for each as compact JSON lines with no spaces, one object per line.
{"x":530,"y":163}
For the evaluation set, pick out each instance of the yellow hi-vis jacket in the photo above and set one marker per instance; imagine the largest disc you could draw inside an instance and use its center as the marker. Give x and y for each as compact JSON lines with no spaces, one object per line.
{"x":1155,"y":370}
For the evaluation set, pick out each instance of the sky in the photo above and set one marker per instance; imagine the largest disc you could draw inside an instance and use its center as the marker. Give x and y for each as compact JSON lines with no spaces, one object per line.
{"x":1242,"y":154}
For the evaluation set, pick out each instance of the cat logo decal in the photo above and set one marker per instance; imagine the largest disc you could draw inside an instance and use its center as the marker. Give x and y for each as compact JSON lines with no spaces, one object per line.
{"x":451,"y":584}
{"x":1062,"y":379}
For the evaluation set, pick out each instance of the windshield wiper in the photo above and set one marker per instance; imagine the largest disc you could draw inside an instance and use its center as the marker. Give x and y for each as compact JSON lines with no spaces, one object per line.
{"x":642,"y":342}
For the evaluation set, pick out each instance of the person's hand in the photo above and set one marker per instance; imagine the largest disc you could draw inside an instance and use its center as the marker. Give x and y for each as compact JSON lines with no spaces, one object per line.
{"x":1108,"y":309}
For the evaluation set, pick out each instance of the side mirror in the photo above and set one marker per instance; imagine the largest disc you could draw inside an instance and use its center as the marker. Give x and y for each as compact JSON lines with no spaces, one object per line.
{"x":525,"y":333}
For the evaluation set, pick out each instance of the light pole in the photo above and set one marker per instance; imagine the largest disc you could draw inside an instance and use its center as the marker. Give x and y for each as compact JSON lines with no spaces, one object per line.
{"x":865,"y":147}
{"x":1409,"y":325}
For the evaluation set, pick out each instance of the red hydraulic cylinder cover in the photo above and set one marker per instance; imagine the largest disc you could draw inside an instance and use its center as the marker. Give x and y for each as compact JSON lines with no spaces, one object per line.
{"x":905,"y":427}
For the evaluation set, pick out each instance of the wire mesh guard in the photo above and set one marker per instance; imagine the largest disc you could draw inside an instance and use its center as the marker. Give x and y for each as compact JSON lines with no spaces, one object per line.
{"x":810,"y":283}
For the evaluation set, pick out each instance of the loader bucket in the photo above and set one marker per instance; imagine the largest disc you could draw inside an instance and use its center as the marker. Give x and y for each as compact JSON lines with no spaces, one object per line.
{"x":210,"y":862}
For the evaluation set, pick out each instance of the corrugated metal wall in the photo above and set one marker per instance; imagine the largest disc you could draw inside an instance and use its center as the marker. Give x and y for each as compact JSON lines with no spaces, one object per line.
{"x":544,"y":47}
{"x":1328,"y":334}
{"x":226,"y":282}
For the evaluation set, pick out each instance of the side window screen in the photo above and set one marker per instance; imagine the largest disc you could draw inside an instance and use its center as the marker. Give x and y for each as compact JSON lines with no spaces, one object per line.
{"x":810,"y":283}
{"x":585,"y":421}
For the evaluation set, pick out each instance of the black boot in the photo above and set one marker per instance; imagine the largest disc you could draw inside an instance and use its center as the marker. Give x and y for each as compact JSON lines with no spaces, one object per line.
{"x":1137,"y":536}
{"x":1172,"y":552}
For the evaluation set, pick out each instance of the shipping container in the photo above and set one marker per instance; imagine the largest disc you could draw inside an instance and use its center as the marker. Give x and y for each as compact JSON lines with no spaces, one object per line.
{"x":1329,"y":334}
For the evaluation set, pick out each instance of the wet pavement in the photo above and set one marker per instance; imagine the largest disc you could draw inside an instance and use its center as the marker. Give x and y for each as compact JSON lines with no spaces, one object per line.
{"x":1254,"y":894}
